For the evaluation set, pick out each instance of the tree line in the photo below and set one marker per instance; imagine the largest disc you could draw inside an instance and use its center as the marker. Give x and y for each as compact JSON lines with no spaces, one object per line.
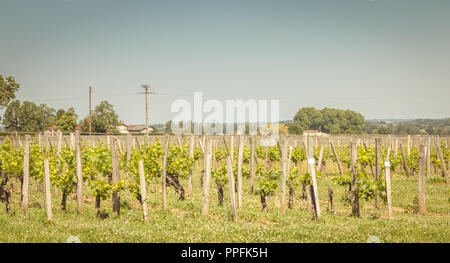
{"x":336,"y":121}
{"x":27,"y":116}
{"x":327,"y":120}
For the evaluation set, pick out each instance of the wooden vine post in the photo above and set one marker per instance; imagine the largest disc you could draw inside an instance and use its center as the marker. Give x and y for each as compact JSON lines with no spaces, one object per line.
{"x":428,"y":158}
{"x":371,"y":165}
{"x":354,"y":197}
{"x":422,"y":207}
{"x":252,"y":162}
{"x":26,"y":174}
{"x":387,"y":172}
{"x":115,"y":176}
{"x":48,"y":198}
{"x":315,"y":190}
{"x":232,"y":147}
{"x":409,"y":145}
{"x":405,"y":163}
{"x":207,"y":177}
{"x":239,"y":172}
{"x":306,"y":188}
{"x":164,"y":172}
{"x":129,"y":146}
{"x":191,"y":155}
{"x":72,"y":140}
{"x":60,"y":138}
{"x":143,"y":190}
{"x":377,"y":168}
{"x":231,"y":183}
{"x":443,"y":165}
{"x":319,"y":166}
{"x":291,"y":189}
{"x":79,"y":172}
{"x":283,"y":175}
{"x":336,"y":158}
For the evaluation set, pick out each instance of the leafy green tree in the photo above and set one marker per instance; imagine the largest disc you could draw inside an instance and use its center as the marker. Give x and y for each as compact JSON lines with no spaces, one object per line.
{"x":168,"y":126}
{"x":60,"y":113}
{"x":47,"y":116}
{"x":28,"y":116}
{"x":8,"y":89}
{"x":103,"y":118}
{"x":295,"y":128}
{"x":328,"y":120}
{"x":11,"y":117}
{"x":68,"y":121}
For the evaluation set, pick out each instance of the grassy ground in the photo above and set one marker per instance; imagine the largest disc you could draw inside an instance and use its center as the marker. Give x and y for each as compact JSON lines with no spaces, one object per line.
{"x":182,"y":222}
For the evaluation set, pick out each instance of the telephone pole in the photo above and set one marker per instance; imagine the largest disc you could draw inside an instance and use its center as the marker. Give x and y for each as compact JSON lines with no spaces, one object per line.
{"x":146,"y":87}
{"x":90,"y":110}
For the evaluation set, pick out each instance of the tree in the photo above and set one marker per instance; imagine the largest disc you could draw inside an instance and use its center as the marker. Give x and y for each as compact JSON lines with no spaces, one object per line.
{"x":11,"y":116}
{"x":328,"y":120}
{"x":295,"y":128}
{"x":28,"y":116}
{"x":48,"y":116}
{"x":168,"y":127}
{"x":103,"y":118}
{"x":68,"y":121}
{"x":283,"y":129}
{"x":8,"y":89}
{"x":60,"y":113}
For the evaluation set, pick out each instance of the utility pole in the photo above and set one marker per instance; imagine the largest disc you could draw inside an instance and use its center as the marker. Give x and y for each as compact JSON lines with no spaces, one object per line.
{"x":146,"y":87}
{"x":90,"y":110}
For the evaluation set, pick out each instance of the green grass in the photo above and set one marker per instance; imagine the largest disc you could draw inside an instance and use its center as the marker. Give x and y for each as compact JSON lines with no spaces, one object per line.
{"x":182,"y":222}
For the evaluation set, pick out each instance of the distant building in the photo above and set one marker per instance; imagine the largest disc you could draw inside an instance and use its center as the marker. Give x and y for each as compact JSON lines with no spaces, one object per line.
{"x":52,"y":130}
{"x":122,"y":128}
{"x":139,"y":129}
{"x":314,"y":133}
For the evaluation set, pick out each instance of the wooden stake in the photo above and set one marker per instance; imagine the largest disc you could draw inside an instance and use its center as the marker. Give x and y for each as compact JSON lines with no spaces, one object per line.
{"x":283,"y":176}
{"x":443,"y":164}
{"x":239,"y":174}
{"x":129,"y":147}
{"x":387,"y":171}
{"x":207,"y":178}
{"x":336,"y":158}
{"x":319,"y":166}
{"x":428,"y":156}
{"x":405,"y":163}
{"x":377,"y":168}
{"x":79,"y":171}
{"x":26,"y":174}
{"x":72,"y":141}
{"x":312,"y":171}
{"x":143,"y":190}
{"x":232,"y":147}
{"x":48,"y":198}
{"x":191,"y":155}
{"x":164,"y":174}
{"x":422,"y":207}
{"x":231,"y":183}
{"x":409,"y":145}
{"x":354,"y":184}
{"x":60,"y":138}
{"x":115,"y":175}
{"x":252,"y":162}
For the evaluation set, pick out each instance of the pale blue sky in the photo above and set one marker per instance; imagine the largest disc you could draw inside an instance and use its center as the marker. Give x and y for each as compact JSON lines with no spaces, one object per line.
{"x":383,"y":58}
